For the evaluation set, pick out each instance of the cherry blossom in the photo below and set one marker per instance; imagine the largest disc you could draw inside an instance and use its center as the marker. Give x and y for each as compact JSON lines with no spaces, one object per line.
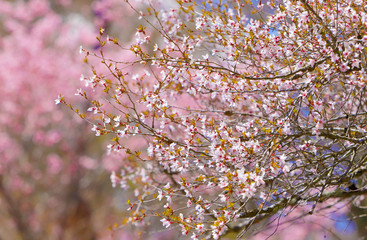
{"x":272,"y":119}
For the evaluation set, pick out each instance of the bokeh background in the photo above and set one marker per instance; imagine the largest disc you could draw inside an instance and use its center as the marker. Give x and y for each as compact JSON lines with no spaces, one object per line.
{"x":54,"y":174}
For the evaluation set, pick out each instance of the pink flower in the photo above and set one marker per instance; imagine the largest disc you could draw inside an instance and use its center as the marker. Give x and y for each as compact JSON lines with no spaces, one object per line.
{"x":200,"y":228}
{"x":166,"y":223}
{"x":200,"y":23}
{"x":114,"y":179}
{"x":344,"y":67}
{"x":59,"y":99}
{"x":355,"y":63}
{"x":335,"y":58}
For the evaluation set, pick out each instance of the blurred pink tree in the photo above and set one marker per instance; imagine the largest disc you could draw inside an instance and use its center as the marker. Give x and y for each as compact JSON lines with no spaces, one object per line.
{"x":51,"y":182}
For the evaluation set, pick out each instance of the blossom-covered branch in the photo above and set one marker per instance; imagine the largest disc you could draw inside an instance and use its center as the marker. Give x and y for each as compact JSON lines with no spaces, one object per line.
{"x":241,"y":118}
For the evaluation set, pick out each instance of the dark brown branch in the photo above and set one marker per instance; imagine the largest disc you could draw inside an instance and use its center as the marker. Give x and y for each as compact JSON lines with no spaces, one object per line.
{"x":15,"y":213}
